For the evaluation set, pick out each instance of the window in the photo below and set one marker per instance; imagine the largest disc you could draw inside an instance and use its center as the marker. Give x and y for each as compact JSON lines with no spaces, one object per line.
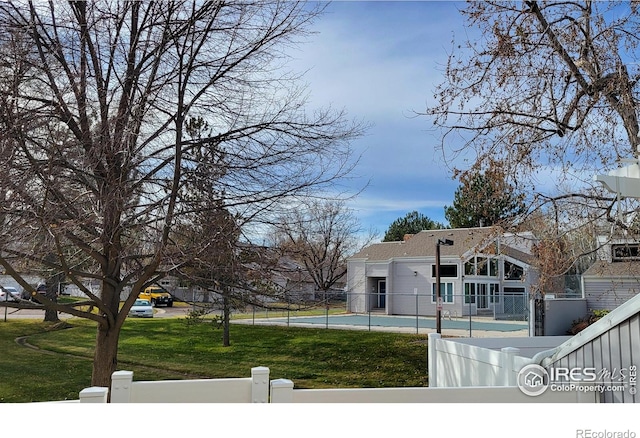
{"x":446,"y":292}
{"x":469,"y":293}
{"x":513,"y":271}
{"x":481,"y":266}
{"x":470,"y":267}
{"x":493,"y":267}
{"x":447,"y":271}
{"x":625,"y":252}
{"x":183,"y":283}
{"x":472,"y":290}
{"x":494,"y":293}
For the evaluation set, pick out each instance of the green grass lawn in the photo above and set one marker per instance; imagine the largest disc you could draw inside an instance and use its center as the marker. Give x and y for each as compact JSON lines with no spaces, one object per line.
{"x":158,"y":349}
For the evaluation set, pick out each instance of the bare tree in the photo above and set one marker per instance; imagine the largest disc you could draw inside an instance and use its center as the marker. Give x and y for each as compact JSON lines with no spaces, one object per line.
{"x":547,"y":87}
{"x":321,"y":237}
{"x":96,"y":101}
{"x":544,"y":85}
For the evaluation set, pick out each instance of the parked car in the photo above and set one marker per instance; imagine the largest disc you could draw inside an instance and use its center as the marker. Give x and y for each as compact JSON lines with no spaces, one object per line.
{"x":157,"y":296}
{"x":141,"y":308}
{"x":9,"y":293}
{"x":41,"y":288}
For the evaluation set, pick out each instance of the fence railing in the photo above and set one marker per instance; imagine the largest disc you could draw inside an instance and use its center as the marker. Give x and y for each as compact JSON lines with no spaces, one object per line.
{"x":254,"y":389}
{"x":411,"y":313}
{"x":283,"y":391}
{"x":504,"y":306}
{"x":258,"y":389}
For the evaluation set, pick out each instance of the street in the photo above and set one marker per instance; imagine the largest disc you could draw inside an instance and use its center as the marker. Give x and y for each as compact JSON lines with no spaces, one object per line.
{"x":11,"y":313}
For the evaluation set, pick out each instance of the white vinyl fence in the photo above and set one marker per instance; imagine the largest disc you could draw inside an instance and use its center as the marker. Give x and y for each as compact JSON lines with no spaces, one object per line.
{"x":467,"y":362}
{"x":254,"y":389}
{"x":454,"y":363}
{"x":282,"y":391}
{"x":258,"y":389}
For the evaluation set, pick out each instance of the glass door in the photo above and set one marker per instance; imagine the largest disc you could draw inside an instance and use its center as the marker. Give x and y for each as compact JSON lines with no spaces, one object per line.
{"x":381,"y":297}
{"x":482,"y":301}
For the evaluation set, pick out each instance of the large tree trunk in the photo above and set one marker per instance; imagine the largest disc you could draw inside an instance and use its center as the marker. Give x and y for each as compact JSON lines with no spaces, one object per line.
{"x":105,"y":358}
{"x":51,"y":315}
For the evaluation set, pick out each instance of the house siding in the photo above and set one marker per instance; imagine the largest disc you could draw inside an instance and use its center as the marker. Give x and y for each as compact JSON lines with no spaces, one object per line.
{"x":378,"y":269}
{"x":356,"y":280}
{"x":609,"y":293}
{"x":409,"y":283}
{"x":614,"y":350}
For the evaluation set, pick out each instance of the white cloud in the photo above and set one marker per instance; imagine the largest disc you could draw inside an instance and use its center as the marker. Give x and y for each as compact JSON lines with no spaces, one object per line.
{"x":380,"y":61}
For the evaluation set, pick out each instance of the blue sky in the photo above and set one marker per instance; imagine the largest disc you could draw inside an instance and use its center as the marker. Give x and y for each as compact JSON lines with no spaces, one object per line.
{"x":381,"y":61}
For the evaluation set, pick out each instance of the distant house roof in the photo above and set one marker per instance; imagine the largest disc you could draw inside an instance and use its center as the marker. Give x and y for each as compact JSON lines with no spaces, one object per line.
{"x":615,"y":269}
{"x":423,"y":244}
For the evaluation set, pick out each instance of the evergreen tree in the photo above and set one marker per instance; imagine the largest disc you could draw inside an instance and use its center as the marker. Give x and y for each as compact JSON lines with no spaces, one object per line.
{"x":412,"y":223}
{"x":484,"y":199}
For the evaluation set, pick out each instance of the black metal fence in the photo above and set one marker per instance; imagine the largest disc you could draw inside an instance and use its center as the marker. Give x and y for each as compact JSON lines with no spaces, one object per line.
{"x":402,"y":312}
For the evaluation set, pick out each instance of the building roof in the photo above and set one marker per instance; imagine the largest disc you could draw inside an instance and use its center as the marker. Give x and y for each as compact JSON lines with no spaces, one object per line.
{"x":616,"y":269}
{"x":517,"y":254}
{"x":423,"y":244}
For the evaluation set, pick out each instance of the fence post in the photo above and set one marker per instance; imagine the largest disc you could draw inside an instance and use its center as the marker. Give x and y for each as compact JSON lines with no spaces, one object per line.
{"x":432,"y":359}
{"x":415,"y":291}
{"x":121,"y":385}
{"x":326,"y":314}
{"x":260,"y":387}
{"x":508,"y":361}
{"x":281,"y":391}
{"x":94,"y":394}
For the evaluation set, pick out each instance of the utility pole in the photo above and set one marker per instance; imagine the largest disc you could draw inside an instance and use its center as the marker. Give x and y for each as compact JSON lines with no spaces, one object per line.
{"x":440,"y":242}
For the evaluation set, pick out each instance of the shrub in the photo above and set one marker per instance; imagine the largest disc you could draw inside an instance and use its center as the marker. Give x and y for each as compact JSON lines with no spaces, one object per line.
{"x":580,"y":324}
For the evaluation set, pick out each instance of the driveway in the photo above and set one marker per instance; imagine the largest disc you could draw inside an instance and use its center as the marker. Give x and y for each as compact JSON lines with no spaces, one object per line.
{"x":11,"y":313}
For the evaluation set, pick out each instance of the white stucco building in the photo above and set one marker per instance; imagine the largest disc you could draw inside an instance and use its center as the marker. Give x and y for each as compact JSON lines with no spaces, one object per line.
{"x":482,"y":272}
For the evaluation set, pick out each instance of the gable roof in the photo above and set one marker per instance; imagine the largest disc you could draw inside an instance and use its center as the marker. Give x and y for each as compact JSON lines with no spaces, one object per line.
{"x":423,"y":244}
